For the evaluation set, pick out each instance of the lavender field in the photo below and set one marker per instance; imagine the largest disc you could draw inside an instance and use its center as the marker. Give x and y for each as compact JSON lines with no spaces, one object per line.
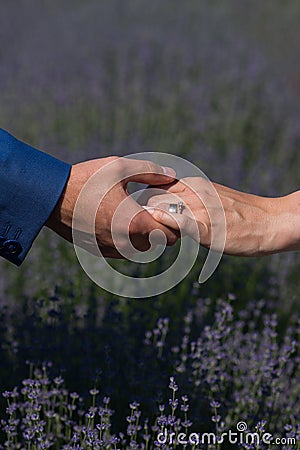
{"x":217,"y":83}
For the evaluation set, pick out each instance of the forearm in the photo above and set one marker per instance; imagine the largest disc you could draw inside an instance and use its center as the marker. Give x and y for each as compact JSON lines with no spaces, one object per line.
{"x":258,"y":226}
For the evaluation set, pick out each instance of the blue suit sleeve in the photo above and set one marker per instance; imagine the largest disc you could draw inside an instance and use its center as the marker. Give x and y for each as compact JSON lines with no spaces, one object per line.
{"x":31,"y":183}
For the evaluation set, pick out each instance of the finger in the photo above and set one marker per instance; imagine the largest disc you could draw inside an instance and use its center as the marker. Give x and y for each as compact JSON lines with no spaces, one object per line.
{"x":197,"y":185}
{"x":182,"y":223}
{"x":147,"y":172}
{"x":165,"y":218}
{"x":176,"y":186}
{"x":163,"y":200}
{"x":144,"y":221}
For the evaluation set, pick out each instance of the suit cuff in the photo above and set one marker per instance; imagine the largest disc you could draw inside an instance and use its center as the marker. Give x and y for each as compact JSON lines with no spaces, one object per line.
{"x":31,"y":184}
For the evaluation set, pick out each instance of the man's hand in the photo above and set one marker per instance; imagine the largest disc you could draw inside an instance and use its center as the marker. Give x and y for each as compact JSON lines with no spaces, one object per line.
{"x":255,"y":226}
{"x":104,"y":177}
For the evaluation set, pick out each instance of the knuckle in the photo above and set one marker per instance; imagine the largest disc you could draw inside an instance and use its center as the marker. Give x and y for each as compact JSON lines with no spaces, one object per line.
{"x":118,"y":162}
{"x":113,"y":159}
{"x":196,"y":182}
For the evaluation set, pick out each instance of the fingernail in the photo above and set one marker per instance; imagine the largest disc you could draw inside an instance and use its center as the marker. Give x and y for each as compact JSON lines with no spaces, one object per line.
{"x":169,"y":171}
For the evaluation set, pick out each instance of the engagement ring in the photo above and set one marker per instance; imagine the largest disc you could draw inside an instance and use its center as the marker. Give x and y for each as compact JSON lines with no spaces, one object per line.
{"x":176,"y":207}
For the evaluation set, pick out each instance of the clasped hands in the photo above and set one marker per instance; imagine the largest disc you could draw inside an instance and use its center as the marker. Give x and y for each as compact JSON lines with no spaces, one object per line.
{"x":255,"y":226}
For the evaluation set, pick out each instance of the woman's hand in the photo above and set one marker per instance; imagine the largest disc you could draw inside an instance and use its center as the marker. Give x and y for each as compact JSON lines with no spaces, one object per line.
{"x":255,"y":226}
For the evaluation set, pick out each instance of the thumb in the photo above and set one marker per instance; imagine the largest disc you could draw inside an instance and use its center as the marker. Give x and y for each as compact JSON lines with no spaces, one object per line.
{"x":148,"y":172}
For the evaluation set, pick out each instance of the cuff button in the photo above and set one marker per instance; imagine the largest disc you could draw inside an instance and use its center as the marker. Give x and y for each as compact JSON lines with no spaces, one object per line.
{"x":12,"y":247}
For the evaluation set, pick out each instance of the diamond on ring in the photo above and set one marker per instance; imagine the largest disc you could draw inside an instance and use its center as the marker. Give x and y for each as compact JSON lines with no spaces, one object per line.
{"x":180,"y":207}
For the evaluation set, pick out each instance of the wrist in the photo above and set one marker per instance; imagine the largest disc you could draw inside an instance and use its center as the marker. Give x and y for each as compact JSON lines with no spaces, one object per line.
{"x":60,"y":220}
